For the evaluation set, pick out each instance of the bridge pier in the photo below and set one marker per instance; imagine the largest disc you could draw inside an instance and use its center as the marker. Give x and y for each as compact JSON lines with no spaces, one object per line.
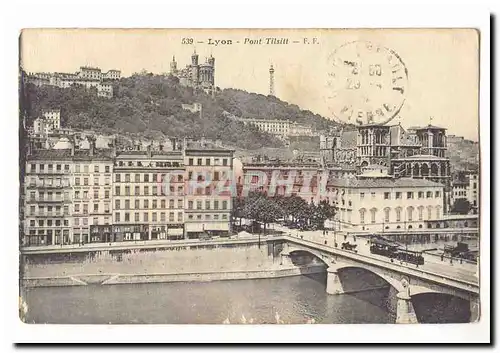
{"x":333,"y":284}
{"x":475,"y":311}
{"x":285,"y":259}
{"x":405,"y":313}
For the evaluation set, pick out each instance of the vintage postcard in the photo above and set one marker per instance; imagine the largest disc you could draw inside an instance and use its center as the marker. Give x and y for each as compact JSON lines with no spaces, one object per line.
{"x":249,"y":176}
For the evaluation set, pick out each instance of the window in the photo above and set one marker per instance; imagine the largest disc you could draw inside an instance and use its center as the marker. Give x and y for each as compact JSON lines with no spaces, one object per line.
{"x":127,"y":190}
{"x":146,"y":178}
{"x":216,"y":216}
{"x":77,"y":208}
{"x":438,"y":194}
{"x":66,"y":210}
{"x":137,"y":178}
{"x":180,"y":203}
{"x":207,"y":204}
{"x":86,"y":168}
{"x":398,"y":195}
{"x":373,"y":195}
{"x":77,"y":221}
{"x":429,"y":212}
{"x":136,"y":217}
{"x":216,"y":176}
{"x":32,"y":196}
{"x":387,"y":195}
{"x":117,"y":204}
{"x":146,"y":190}
{"x":224,"y":162}
{"x":127,"y":217}
{"x":179,"y":216}
{"x":410,"y":213}
{"x":96,"y":194}
{"x":117,"y":178}
{"x":137,"y":191}
{"x":198,"y":205}
{"x":420,"y":213}
{"x":190,"y":162}
{"x":420,"y":194}
{"x":224,"y":205}
{"x":127,"y":178}
{"x":199,"y":216}
{"x":163,"y":204}
{"x":106,"y":194}
{"x":170,"y":203}
{"x":85,"y":181}
{"x":387,"y":212}
{"x":146,"y":217}
{"x":155,"y":190}
{"x":96,"y":169}
{"x":117,"y":216}
{"x":155,"y":204}
{"x":106,"y":169}
{"x":199,"y":161}
{"x":361,"y":195}
{"x":106,"y":208}
{"x":85,"y":195}
{"x":85,"y":208}
{"x":190,"y":205}
{"x":117,"y":190}
{"x":362,"y":215}
{"x":96,"y":207}
{"x":398,"y":214}
{"x":373,"y":212}
{"x":429,"y":194}
{"x":127,"y":204}
{"x":409,"y":195}
{"x":146,"y":203}
{"x":207,"y":161}
{"x":154,"y":217}
{"x":162,"y":217}
{"x":77,"y":181}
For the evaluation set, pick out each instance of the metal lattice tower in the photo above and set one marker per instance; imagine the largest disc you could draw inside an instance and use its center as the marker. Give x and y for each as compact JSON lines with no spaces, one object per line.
{"x":271,"y":81}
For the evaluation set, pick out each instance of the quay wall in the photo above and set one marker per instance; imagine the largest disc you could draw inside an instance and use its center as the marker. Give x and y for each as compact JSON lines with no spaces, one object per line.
{"x":30,"y":282}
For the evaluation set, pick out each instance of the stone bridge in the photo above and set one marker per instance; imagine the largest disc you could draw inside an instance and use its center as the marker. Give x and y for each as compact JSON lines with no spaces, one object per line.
{"x":407,"y":282}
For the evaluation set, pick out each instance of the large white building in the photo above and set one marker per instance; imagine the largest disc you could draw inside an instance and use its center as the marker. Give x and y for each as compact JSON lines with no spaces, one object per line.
{"x":386,"y":203}
{"x":88,"y":77}
{"x":281,"y":128}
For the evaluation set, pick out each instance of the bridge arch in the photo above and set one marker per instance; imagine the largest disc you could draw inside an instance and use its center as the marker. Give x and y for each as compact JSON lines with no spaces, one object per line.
{"x":294,"y":252}
{"x":344,"y":270}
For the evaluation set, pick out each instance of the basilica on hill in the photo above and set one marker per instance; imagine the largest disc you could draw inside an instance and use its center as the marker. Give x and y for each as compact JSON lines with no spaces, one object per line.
{"x":196,"y":75}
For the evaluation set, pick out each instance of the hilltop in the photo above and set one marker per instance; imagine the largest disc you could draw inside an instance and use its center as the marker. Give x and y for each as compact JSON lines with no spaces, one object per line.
{"x":151,"y":105}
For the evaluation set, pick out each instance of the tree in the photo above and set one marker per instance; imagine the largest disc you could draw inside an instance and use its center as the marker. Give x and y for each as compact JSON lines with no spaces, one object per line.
{"x":461,"y":206}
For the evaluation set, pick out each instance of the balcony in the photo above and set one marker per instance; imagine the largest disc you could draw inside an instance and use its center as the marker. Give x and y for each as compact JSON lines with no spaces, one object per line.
{"x":47,"y":186}
{"x":47,"y":200}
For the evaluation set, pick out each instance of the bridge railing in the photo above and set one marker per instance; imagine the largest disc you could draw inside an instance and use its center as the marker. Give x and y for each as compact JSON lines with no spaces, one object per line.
{"x":431,"y":276}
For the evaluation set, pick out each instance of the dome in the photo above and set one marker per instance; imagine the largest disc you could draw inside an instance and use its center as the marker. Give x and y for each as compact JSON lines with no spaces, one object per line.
{"x":63,"y":144}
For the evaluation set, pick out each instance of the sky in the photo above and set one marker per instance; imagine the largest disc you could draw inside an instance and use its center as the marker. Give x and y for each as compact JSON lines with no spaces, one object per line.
{"x":442,"y":64}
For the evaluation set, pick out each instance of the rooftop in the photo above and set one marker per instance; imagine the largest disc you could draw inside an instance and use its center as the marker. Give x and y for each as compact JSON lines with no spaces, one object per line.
{"x":383,"y":183}
{"x":65,"y":154}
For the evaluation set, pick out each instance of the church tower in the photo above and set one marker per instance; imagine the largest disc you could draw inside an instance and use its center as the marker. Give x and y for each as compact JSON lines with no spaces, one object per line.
{"x":195,"y":70}
{"x":173,"y":66}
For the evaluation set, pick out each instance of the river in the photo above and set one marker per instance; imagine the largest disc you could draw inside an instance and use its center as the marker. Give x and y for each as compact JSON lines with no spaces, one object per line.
{"x":293,"y":299}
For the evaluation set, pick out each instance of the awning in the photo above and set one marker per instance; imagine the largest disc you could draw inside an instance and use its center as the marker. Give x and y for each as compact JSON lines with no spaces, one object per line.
{"x":200,"y":227}
{"x":175,"y":231}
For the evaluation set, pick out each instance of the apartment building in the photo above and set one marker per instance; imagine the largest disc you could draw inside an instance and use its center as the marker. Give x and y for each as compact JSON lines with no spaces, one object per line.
{"x":48,"y":198}
{"x":208,"y":171}
{"x":148,"y":195}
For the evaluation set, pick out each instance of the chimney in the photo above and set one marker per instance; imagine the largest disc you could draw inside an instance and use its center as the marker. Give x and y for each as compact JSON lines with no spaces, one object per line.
{"x":148,"y":149}
{"x":174,"y":144}
{"x":72,"y":148}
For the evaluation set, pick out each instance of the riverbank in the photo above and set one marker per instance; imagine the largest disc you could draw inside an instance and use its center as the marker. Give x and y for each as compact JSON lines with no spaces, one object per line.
{"x":110,"y":279}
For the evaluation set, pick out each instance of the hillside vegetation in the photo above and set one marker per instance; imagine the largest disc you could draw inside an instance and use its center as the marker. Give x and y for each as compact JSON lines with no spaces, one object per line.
{"x":150,"y":105}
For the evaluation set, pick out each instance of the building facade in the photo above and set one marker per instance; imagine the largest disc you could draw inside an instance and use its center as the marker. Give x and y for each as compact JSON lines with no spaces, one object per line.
{"x":148,"y":196}
{"x":208,"y":201}
{"x":88,"y":77}
{"x":380,"y":204}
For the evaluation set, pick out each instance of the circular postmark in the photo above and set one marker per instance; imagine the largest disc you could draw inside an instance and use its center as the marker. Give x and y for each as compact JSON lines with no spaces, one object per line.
{"x":367,"y":83}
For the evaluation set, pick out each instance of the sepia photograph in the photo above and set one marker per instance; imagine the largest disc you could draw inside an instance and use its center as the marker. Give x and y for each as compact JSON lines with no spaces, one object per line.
{"x":250,"y":176}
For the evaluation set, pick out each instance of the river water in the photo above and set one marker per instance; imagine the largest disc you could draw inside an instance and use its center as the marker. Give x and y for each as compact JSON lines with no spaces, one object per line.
{"x":293,"y":300}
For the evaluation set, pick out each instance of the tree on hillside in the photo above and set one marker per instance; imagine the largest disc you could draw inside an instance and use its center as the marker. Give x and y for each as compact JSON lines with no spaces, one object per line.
{"x":461,"y":206}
